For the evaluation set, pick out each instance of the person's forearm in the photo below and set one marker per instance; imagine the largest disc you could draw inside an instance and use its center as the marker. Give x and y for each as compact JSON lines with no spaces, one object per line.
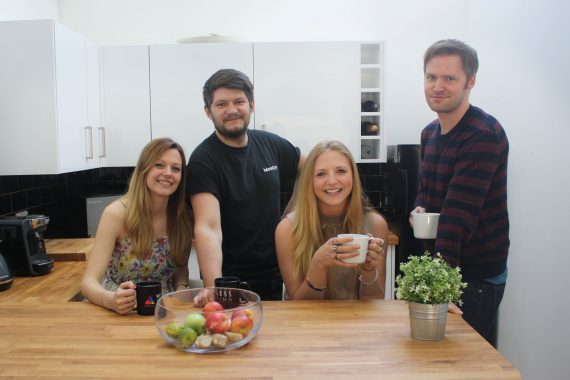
{"x":209,"y":251}
{"x":372,"y":284}
{"x":180,"y":277}
{"x":315,"y":279}
{"x":94,"y":292}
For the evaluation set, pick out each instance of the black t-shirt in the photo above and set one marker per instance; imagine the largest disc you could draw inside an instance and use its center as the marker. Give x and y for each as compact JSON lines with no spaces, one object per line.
{"x":247,"y":182}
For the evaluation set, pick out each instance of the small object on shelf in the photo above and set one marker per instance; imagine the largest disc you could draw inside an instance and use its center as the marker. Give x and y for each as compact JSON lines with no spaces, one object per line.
{"x":368,"y":128}
{"x":369,"y":106}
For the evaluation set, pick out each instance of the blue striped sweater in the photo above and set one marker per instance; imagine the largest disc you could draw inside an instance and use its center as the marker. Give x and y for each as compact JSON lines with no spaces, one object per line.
{"x":464,"y":178}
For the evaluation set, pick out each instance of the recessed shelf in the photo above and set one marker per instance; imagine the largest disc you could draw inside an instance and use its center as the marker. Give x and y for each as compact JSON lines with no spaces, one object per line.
{"x":371,"y":97}
{"x":370,"y":149}
{"x":370,"y":78}
{"x":370,"y":53}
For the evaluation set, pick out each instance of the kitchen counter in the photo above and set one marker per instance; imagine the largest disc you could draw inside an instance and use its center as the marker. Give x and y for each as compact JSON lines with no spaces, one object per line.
{"x":45,"y":335}
{"x":69,"y":249}
{"x":78,"y":249}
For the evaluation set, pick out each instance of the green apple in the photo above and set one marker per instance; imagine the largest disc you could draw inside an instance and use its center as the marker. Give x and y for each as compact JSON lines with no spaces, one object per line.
{"x":173,"y":329}
{"x":196,"y":322}
{"x":187,"y":337}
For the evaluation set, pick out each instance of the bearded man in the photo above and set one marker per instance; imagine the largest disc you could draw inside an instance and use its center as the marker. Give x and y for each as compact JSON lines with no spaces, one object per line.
{"x":235,"y":178}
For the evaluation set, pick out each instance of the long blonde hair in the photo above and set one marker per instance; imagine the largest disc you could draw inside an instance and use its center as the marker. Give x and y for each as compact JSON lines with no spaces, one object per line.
{"x":307,"y":233}
{"x":138,"y":219}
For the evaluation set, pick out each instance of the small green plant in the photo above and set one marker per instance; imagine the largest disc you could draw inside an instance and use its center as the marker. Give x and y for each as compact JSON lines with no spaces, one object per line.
{"x":429,"y":280}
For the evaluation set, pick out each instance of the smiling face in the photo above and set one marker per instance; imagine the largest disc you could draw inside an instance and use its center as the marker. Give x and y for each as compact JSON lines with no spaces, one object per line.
{"x":332,"y":182}
{"x":164,"y":176}
{"x":230,"y":112}
{"x":446,"y":85}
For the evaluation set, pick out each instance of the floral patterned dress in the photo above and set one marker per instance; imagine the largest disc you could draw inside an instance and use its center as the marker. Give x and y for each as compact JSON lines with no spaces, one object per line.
{"x":124,"y":266}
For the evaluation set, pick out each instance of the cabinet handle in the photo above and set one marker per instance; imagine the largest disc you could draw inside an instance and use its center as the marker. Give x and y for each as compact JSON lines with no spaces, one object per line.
{"x":89,"y":142}
{"x":102,"y":143}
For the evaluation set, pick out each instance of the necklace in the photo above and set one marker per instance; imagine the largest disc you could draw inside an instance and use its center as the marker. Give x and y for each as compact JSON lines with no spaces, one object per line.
{"x":330,"y":229}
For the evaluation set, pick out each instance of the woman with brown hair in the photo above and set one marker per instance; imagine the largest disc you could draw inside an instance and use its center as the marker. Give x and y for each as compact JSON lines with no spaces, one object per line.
{"x":329,"y":201}
{"x":144,"y":236}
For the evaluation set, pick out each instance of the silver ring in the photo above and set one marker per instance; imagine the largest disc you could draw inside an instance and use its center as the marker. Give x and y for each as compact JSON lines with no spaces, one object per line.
{"x":334,"y":248}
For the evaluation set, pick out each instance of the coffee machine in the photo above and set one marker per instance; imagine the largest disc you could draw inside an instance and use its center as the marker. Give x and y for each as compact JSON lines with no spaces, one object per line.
{"x":22,"y":244}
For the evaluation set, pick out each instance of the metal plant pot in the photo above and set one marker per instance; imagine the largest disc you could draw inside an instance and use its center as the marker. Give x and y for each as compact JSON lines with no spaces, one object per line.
{"x":427,"y":321}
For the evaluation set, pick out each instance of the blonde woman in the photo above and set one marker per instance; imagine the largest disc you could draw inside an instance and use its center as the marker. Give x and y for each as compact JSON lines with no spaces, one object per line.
{"x":329,"y":201}
{"x":145,"y":235}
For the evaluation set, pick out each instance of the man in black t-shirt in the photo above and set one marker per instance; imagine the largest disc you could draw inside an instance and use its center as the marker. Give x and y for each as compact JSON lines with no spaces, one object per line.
{"x":235,"y":177}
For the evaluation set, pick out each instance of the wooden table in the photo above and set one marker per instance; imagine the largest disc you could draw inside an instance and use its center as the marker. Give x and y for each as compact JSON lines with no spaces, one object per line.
{"x":43,"y":335}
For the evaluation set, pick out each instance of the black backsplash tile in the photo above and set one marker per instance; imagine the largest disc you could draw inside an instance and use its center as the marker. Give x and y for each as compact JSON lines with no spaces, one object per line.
{"x":62,"y":197}
{"x":5,"y":204}
{"x":19,"y":201}
{"x":10,"y":183}
{"x":369,"y":168}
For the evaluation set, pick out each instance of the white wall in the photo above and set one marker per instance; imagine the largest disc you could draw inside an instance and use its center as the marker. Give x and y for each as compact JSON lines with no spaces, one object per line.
{"x":408,"y":26}
{"x":28,"y":9}
{"x":523,"y":48}
{"x":524,"y":54}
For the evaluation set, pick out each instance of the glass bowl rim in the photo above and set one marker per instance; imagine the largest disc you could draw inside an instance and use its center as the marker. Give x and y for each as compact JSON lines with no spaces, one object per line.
{"x":249,"y":305}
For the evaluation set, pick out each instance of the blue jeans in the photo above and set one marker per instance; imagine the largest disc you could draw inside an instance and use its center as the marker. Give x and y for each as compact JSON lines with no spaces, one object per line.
{"x":481,"y":301}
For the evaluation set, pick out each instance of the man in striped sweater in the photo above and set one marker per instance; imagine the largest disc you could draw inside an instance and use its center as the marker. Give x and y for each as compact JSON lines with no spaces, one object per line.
{"x":464,"y":178}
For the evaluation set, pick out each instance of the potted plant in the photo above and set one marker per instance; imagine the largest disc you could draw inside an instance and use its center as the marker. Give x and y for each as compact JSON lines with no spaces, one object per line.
{"x":428,"y":284}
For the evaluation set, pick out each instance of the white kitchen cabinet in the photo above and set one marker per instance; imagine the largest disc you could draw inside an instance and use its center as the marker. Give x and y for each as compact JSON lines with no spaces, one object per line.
{"x":177,"y":76}
{"x":125,"y":103}
{"x":94,"y":133}
{"x":309,"y":91}
{"x":43,"y":98}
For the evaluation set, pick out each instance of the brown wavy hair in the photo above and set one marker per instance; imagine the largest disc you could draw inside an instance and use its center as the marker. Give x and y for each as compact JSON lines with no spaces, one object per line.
{"x":307,"y":233}
{"x":138,"y":219}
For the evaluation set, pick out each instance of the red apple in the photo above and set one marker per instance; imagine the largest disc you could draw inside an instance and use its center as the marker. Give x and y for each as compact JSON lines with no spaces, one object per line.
{"x":247,"y":312}
{"x":212,"y":306}
{"x":241,"y":324}
{"x":217,"y":322}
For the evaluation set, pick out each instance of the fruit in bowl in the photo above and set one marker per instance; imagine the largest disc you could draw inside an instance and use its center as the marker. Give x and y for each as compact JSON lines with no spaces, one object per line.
{"x":210,"y":328}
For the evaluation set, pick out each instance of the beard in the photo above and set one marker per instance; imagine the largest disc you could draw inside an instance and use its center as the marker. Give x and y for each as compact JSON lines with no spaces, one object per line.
{"x":233,"y":133}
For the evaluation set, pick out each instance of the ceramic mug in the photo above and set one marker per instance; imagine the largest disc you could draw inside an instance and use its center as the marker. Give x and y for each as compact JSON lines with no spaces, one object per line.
{"x":425,"y":224}
{"x":148,"y":293}
{"x":362,"y":242}
{"x":227,"y":291}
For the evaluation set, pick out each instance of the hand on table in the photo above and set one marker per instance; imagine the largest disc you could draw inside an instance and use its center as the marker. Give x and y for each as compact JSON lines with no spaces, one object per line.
{"x":123,"y":299}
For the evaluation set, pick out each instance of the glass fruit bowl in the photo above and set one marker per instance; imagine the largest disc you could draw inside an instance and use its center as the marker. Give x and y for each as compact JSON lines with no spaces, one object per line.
{"x":211,"y":328}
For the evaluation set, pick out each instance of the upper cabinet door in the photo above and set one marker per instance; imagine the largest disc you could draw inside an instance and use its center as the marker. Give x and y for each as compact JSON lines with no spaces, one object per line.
{"x":43,"y":98}
{"x":177,"y":76}
{"x":94,"y":144}
{"x":70,"y":58}
{"x":309,"y":91}
{"x":125,"y":104}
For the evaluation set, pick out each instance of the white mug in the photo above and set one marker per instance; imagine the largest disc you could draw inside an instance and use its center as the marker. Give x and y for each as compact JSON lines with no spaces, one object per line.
{"x":425,"y":224}
{"x":362,"y":242}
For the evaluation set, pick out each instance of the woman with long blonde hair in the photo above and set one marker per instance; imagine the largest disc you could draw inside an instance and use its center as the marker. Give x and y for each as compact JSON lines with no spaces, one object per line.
{"x":146,"y":235}
{"x":329,"y":201}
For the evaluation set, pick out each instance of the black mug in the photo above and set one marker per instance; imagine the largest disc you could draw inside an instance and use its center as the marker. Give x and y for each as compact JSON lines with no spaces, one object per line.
{"x":229,"y":297}
{"x":148,"y":293}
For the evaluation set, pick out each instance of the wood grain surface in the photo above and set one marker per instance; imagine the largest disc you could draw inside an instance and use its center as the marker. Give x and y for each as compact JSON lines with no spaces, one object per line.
{"x":69,"y":249}
{"x":42,"y":335}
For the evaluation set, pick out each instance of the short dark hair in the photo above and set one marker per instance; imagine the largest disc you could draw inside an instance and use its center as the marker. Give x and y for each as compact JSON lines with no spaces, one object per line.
{"x":227,"y":78}
{"x":467,"y":54}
